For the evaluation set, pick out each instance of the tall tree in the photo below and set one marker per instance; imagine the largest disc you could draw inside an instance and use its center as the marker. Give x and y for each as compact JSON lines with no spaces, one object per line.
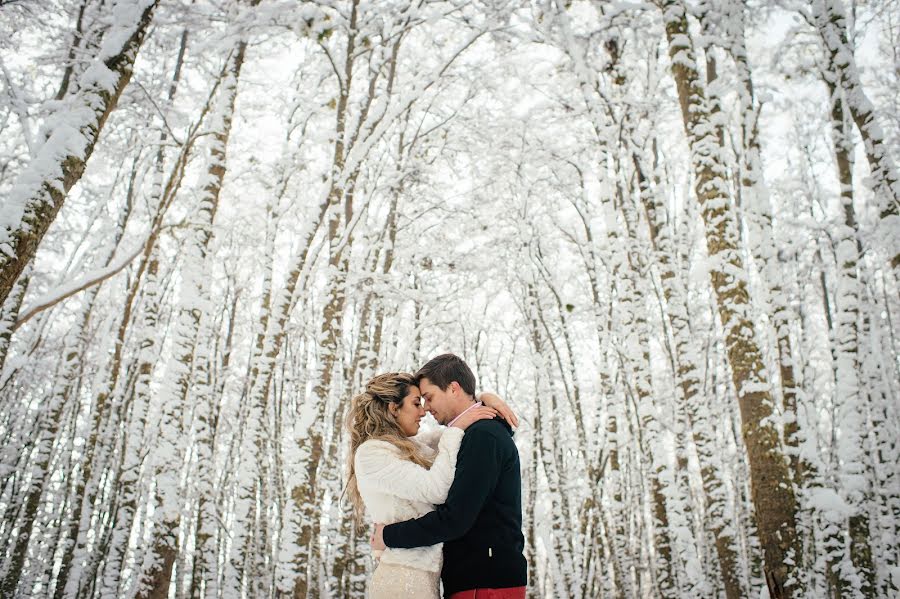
{"x":830,"y":20}
{"x":773,"y":496}
{"x":185,"y":371}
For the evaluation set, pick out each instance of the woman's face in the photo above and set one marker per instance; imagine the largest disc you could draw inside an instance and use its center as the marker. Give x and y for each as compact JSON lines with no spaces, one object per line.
{"x":410,"y":412}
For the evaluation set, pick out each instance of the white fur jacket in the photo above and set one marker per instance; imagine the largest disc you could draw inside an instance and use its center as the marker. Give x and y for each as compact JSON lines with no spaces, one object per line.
{"x":395,"y":489}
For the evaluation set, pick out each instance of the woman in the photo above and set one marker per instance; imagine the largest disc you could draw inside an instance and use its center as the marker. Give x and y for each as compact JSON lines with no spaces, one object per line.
{"x":398,"y":477}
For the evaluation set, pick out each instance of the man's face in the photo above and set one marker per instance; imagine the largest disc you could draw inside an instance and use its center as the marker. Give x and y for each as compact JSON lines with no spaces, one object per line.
{"x":438,"y":402}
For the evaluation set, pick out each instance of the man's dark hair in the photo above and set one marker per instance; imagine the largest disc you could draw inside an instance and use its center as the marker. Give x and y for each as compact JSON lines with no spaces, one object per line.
{"x":446,"y":368}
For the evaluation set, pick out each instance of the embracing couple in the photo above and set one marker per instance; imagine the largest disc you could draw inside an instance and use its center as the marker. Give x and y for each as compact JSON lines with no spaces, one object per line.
{"x":447,"y":504}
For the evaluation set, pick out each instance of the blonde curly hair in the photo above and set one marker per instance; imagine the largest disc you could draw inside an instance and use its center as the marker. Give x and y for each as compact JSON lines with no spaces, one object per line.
{"x":371,"y":418}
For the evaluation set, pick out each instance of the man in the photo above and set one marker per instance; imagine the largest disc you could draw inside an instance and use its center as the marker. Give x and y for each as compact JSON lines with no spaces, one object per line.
{"x":481,"y":522}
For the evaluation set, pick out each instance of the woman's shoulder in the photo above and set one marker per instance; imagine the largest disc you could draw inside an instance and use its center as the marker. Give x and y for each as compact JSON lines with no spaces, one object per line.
{"x":376,"y":450}
{"x":373,"y":455}
{"x":376,"y":446}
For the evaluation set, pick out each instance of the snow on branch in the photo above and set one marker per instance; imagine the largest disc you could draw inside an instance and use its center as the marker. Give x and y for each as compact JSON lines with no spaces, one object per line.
{"x":69,"y":289}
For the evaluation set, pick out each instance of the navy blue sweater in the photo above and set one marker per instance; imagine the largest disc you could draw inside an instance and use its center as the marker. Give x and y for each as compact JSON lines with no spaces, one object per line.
{"x":481,"y":522}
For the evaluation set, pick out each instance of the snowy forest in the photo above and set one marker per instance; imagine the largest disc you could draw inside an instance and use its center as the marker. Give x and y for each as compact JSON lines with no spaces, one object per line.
{"x":665,"y":231}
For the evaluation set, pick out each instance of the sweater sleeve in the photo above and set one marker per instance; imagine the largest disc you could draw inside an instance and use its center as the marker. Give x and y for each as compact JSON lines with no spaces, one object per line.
{"x":378,"y":467}
{"x":431,"y":438}
{"x":477,"y":473}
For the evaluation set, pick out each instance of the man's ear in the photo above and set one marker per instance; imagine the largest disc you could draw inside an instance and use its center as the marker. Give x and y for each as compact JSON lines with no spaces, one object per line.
{"x":453,"y":387}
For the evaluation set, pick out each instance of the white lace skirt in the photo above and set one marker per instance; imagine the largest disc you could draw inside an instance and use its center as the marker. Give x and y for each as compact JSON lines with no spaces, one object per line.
{"x":391,"y":581}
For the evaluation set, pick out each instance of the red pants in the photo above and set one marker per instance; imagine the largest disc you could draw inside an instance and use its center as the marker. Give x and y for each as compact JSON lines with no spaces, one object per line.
{"x":505,"y":593}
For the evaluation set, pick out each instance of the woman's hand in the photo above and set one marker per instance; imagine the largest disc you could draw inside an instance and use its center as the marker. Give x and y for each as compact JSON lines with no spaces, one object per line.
{"x":474,"y":415}
{"x":493,"y":401}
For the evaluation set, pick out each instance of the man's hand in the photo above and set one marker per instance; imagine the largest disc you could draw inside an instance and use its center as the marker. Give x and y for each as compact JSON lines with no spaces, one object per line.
{"x":377,"y":538}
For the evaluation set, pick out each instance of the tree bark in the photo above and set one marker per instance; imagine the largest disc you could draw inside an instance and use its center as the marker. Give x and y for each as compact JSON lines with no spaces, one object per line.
{"x":762,"y":235}
{"x":687,"y":376}
{"x":9,"y":313}
{"x":773,"y":496}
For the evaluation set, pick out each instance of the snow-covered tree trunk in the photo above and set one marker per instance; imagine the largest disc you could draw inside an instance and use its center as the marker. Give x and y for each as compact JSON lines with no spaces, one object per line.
{"x":249,"y":442}
{"x":761,"y":238}
{"x":205,"y":570}
{"x":305,"y":497}
{"x":377,"y":337}
{"x":129,"y":467}
{"x":564,"y":354}
{"x":62,"y":394}
{"x":623,"y":563}
{"x":851,"y":421}
{"x":563,"y":575}
{"x":184,"y":372}
{"x":670,"y":482}
{"x":635,"y":355}
{"x":9,"y":312}
{"x":164,"y":188}
{"x":687,"y":377}
{"x":884,"y":440}
{"x":773,"y":497}
{"x":40,"y":467}
{"x":612,"y":481}
{"x":849,"y":559}
{"x":71,"y":136}
{"x":831,"y":23}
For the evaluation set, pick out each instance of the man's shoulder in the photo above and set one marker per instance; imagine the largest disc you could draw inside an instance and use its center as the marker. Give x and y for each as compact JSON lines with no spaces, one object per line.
{"x":490,"y":429}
